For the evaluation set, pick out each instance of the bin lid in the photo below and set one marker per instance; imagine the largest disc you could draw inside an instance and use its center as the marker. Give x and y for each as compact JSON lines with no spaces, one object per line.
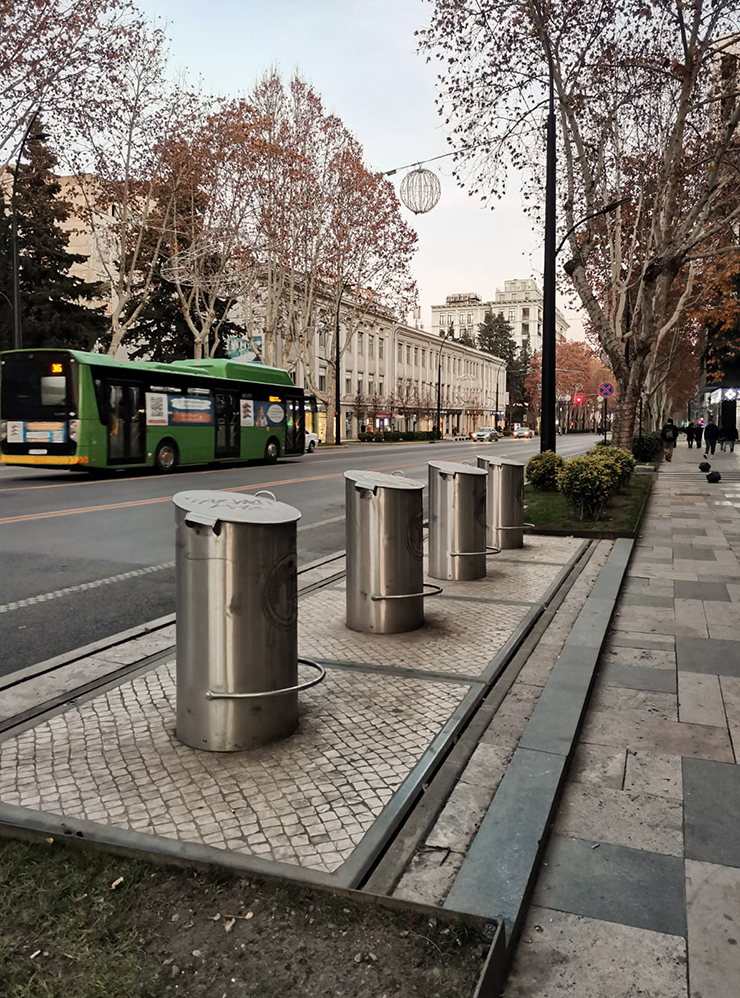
{"x":210,"y":506}
{"x":378,"y":480}
{"x":489,"y":459}
{"x":453,"y":468}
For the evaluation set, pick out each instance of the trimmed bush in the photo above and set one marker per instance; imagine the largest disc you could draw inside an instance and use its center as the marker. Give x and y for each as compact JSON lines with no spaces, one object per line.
{"x":649,"y":448}
{"x":622,"y":461}
{"x":379,"y":437}
{"x":588,"y":483}
{"x":395,"y":435}
{"x":542,"y":471}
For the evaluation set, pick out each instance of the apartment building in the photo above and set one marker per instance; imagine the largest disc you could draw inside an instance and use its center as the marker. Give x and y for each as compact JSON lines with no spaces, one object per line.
{"x":520,"y":303}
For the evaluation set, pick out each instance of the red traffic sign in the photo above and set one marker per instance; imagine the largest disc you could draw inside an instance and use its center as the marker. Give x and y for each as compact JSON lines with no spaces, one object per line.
{"x":606,"y":390}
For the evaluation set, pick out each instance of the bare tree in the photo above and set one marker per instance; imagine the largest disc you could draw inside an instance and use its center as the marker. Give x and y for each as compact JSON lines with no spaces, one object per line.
{"x":646,"y":97}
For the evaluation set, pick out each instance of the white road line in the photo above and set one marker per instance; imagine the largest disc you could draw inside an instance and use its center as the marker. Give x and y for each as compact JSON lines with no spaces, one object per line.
{"x":83,"y":587}
{"x":125,"y":576}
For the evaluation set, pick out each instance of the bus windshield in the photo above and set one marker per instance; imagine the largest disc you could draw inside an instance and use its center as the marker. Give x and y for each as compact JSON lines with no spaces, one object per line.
{"x":37,"y":386}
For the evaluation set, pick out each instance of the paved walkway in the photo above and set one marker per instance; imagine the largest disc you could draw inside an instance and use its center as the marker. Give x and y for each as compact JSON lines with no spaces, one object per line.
{"x":639,"y":893}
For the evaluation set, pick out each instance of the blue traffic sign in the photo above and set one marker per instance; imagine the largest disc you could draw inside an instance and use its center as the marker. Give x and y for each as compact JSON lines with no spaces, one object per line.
{"x":606,"y":390}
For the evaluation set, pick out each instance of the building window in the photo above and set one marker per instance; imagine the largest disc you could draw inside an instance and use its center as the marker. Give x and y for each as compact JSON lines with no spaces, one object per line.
{"x":348,"y":386}
{"x":525,"y":313}
{"x":525,"y":329}
{"x":512,"y":315}
{"x":360,"y":343}
{"x":400,"y":353}
{"x":370,"y":386}
{"x":423,"y":358}
{"x":380,"y":348}
{"x":416,"y":356}
{"x":322,"y":337}
{"x":470,"y":318}
{"x":322,"y":381}
{"x":371,"y":346}
{"x":380,"y":386}
{"x":408,"y":355}
{"x":359,"y":386}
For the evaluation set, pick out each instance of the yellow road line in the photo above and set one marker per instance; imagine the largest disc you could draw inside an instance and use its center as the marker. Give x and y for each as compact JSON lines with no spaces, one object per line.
{"x":75,"y":511}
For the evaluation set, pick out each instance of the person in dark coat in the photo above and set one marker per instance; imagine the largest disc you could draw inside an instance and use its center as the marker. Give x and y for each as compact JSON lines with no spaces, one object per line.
{"x":711,"y":435}
{"x":698,"y":430}
{"x":690,"y":434}
{"x":669,"y":434}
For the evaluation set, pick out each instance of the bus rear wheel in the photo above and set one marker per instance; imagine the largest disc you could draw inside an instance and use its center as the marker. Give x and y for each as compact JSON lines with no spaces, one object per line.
{"x":165,"y":458}
{"x":272,"y":452}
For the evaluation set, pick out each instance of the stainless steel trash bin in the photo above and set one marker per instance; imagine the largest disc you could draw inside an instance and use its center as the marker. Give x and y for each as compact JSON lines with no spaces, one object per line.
{"x":457,"y":521}
{"x":237,"y":643}
{"x":385,"y":566}
{"x":505,"y":502}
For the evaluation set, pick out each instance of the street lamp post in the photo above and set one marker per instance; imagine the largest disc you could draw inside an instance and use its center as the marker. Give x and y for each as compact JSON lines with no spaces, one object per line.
{"x":439,"y":381}
{"x":17,"y":320}
{"x":337,"y":373}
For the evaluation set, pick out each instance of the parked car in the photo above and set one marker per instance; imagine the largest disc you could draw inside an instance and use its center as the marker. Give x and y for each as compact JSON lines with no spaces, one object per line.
{"x":487,"y":433}
{"x":312,"y":441}
{"x":523,"y":433}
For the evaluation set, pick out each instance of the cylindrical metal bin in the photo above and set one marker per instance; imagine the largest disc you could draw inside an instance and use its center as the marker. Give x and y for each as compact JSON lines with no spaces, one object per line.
{"x":385,"y":566}
{"x":237,"y":614}
{"x":505,"y":504}
{"x":457,"y":521}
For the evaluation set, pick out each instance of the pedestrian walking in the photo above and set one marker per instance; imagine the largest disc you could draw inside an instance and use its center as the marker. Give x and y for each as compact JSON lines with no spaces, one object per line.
{"x":698,"y":430}
{"x":733,"y":437}
{"x":711,"y":434}
{"x":668,"y":433}
{"x":726,"y":437}
{"x":690,"y":434}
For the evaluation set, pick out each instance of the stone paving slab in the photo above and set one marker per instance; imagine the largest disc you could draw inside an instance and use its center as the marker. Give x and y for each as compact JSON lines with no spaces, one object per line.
{"x":615,"y":884}
{"x":713,"y":907}
{"x":569,"y":956}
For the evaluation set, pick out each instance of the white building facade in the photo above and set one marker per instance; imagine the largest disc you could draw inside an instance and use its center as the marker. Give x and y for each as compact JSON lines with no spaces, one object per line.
{"x":520,"y":304}
{"x":396,"y":369}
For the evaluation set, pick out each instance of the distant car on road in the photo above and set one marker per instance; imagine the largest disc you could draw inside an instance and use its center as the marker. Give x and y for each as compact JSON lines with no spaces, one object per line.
{"x":312,"y":441}
{"x":487,"y":433}
{"x":523,"y":433}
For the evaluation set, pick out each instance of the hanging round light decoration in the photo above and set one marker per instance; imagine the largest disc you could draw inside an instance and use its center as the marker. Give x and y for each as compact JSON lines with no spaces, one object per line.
{"x":420,"y":190}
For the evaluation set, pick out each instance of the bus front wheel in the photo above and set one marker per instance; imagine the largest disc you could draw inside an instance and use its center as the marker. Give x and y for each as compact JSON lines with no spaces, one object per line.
{"x":272,"y":452}
{"x":165,"y":458}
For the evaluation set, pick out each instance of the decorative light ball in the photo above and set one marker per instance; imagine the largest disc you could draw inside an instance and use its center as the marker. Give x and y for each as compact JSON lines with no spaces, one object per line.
{"x":420,"y":190}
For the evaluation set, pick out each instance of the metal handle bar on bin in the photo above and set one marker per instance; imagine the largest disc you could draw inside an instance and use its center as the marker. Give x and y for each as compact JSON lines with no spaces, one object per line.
{"x":436,"y":590}
{"x":471,"y":554}
{"x":401,"y":474}
{"x":264,"y":492}
{"x":210,"y":695}
{"x":195,"y":519}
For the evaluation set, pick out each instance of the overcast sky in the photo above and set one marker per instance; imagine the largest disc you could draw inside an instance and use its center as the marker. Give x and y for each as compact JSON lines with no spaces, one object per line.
{"x":360,"y":55}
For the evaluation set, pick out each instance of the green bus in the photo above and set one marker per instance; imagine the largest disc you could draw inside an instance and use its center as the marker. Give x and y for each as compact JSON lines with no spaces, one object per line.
{"x":85,"y":411}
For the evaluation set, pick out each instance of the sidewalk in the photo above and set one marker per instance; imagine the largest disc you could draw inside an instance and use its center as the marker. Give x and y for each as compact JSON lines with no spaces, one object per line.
{"x":639,"y":893}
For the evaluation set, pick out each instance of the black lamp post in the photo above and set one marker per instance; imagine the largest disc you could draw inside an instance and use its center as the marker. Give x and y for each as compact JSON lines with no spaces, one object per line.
{"x":337,"y":373}
{"x":439,"y":381}
{"x":17,"y":319}
{"x":547,"y":428}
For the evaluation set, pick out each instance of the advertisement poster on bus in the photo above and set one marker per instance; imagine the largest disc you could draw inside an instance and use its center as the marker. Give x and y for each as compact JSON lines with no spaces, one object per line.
{"x":20,"y":432}
{"x":178,"y":410}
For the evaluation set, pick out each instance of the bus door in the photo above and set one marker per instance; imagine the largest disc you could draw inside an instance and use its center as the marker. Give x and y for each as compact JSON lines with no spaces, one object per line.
{"x":228,"y":424}
{"x":295,"y":425}
{"x":126,"y":427}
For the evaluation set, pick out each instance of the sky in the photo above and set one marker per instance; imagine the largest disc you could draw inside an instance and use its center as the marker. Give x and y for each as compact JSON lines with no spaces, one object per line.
{"x":360,"y":55}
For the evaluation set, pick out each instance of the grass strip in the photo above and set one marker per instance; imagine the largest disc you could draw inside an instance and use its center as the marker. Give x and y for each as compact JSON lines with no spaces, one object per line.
{"x":550,"y":513}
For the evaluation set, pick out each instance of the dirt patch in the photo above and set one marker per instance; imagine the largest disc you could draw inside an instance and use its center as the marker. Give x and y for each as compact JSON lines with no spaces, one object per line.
{"x":84,"y":923}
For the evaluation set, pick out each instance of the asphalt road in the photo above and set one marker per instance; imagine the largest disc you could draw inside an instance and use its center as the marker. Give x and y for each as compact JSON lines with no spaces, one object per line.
{"x":84,"y":558}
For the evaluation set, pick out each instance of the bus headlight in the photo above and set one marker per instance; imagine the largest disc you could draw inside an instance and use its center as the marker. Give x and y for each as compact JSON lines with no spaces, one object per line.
{"x":74,"y":427}
{"x":3,"y":429}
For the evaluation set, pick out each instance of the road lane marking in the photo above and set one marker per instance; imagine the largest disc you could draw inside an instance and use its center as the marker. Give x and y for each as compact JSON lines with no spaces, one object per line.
{"x":123,"y":577}
{"x":77,"y":510}
{"x":83,"y":587}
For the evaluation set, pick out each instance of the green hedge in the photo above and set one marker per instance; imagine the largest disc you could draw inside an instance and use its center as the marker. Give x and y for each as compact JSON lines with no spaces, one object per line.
{"x":383,"y":436}
{"x":588,"y":483}
{"x":649,"y":448}
{"x":542,"y":471}
{"x":621,"y":460}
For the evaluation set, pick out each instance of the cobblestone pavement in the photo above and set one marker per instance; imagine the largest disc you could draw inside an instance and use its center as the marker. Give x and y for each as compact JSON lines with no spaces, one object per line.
{"x":310,"y":800}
